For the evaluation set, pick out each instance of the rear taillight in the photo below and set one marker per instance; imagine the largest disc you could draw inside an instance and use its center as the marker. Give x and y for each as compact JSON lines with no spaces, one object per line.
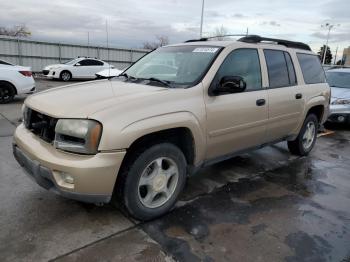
{"x":26,"y":73}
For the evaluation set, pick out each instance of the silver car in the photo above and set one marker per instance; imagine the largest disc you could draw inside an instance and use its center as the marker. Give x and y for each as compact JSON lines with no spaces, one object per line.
{"x":339,"y":80}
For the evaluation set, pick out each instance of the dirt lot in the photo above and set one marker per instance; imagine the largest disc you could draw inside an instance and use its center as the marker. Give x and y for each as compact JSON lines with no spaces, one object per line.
{"x":262,"y":206}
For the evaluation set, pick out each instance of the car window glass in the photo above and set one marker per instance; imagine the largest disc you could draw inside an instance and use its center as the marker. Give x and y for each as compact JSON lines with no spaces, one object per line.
{"x":84,"y":62}
{"x":311,"y":67}
{"x":277,"y":68}
{"x":338,"y":79}
{"x":244,"y":63}
{"x":4,"y":63}
{"x":93,"y":62}
{"x":291,"y":70}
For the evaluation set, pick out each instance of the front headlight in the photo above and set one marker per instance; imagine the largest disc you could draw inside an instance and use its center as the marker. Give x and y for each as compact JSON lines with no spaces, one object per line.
{"x":341,"y":102}
{"x":78,"y":135}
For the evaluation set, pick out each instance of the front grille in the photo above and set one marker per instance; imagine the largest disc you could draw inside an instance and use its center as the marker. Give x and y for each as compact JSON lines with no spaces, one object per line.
{"x":40,"y":124}
{"x":46,"y":72}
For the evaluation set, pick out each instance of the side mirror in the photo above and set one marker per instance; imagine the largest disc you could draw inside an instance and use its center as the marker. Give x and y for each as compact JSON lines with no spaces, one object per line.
{"x":77,"y":64}
{"x":231,"y":84}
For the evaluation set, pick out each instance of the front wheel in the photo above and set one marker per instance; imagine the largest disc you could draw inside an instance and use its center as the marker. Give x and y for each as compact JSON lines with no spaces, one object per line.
{"x":152,"y":182}
{"x":306,"y":139}
{"x":65,"y":76}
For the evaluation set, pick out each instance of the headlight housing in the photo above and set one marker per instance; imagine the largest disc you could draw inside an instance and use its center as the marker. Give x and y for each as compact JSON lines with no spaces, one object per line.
{"x":78,"y":135}
{"x":341,"y":102}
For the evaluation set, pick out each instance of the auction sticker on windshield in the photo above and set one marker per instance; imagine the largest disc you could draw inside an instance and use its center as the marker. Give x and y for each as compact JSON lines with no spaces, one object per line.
{"x":205,"y":50}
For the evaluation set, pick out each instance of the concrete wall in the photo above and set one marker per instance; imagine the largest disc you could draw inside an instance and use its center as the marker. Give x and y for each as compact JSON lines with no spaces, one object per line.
{"x":38,"y":54}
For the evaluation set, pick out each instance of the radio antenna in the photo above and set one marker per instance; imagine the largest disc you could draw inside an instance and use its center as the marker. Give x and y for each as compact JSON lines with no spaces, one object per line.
{"x":109,"y":66}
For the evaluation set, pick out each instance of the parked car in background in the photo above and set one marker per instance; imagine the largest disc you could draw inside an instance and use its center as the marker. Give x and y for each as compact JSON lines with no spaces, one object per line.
{"x":108,"y":73}
{"x":14,"y":80}
{"x":79,"y":68}
{"x":339,"y":81}
{"x":134,"y":139}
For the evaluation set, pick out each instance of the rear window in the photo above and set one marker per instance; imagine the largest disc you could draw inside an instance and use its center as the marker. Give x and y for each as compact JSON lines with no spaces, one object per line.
{"x":2,"y":62}
{"x":311,"y":67}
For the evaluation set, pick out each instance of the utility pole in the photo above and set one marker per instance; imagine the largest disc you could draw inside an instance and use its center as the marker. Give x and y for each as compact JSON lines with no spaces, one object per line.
{"x":329,"y":27}
{"x":88,"y":43}
{"x":201,"y":27}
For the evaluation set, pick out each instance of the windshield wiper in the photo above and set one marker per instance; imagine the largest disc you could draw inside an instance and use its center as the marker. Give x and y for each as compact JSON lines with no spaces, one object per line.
{"x":166,"y":83}
{"x":127,"y":76}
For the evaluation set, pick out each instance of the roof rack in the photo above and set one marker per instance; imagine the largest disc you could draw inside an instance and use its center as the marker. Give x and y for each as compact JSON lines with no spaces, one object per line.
{"x":259,"y":39}
{"x":211,"y":37}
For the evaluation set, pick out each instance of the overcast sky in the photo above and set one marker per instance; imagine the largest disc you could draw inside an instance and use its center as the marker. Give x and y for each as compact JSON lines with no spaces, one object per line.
{"x":132,"y":22}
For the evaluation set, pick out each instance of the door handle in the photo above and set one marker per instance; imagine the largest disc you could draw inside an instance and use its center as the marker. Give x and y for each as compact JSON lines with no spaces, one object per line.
{"x":299,"y":96}
{"x":260,"y":102}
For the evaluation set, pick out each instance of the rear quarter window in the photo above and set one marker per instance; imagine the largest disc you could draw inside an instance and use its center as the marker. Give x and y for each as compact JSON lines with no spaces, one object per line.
{"x":311,"y":68}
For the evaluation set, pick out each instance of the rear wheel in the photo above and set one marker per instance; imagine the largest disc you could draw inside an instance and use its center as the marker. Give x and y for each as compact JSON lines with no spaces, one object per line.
{"x":65,"y":76}
{"x":151,"y":183}
{"x":7,"y":93}
{"x":306,"y":139}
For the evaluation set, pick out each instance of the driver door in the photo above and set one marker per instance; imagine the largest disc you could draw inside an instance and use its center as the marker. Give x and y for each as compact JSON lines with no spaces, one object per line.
{"x":237,"y":121}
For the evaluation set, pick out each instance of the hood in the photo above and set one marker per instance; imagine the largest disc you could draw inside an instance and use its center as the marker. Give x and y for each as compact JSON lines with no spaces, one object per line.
{"x":109,"y":72}
{"x":53,"y":66}
{"x":83,"y":99}
{"x":338,"y":93}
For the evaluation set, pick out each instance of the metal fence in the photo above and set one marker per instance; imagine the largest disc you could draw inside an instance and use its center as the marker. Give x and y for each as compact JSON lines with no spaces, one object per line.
{"x":38,"y":54}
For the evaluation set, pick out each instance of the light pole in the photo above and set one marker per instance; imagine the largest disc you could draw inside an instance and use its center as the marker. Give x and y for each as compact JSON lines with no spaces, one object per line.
{"x":329,"y":27}
{"x":201,"y":28}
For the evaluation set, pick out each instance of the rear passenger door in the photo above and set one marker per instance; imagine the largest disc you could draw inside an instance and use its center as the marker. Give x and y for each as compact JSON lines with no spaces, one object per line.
{"x":284,"y":95}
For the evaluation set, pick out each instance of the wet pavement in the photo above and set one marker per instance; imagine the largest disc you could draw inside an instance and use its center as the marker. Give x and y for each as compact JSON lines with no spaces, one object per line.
{"x":263,"y":206}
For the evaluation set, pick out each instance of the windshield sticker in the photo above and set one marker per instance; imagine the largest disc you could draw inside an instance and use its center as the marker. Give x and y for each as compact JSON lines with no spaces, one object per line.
{"x":205,"y":50}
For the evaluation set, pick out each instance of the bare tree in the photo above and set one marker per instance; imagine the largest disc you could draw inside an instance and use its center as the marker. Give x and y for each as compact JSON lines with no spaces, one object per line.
{"x":15,"y":31}
{"x":220,"y":32}
{"x":161,"y":40}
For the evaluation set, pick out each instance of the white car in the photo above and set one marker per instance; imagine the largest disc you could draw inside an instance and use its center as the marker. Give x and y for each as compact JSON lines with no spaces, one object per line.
{"x":339,"y":81}
{"x":14,"y":80}
{"x":108,"y":73}
{"x":79,"y":68}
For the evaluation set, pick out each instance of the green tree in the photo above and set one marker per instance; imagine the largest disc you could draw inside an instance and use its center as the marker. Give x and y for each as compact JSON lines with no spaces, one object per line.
{"x":329,"y":55}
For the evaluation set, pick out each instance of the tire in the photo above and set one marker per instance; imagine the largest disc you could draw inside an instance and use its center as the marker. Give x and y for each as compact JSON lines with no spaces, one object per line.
{"x":7,"y":93}
{"x":65,"y":76}
{"x":141,"y":187}
{"x":305,"y":142}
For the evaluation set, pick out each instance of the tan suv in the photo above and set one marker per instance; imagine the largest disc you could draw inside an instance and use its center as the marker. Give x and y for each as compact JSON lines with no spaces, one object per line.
{"x":134,"y":139}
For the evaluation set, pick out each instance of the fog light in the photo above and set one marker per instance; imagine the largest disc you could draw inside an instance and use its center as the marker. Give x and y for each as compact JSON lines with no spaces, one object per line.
{"x":341,"y":118}
{"x":67,"y":178}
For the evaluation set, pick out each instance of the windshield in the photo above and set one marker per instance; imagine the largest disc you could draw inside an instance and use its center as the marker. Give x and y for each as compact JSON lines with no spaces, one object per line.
{"x":72,"y":62}
{"x":177,"y":65}
{"x":338,"y":79}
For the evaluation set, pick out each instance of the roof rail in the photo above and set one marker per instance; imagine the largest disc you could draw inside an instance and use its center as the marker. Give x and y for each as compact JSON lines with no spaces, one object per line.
{"x":211,"y":37}
{"x":259,"y":39}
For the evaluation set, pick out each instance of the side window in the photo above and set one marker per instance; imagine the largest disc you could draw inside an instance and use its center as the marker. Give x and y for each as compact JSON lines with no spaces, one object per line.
{"x":244,"y":63}
{"x":277,"y":68}
{"x":291,"y":70}
{"x":95,"y":62}
{"x":84,"y":62}
{"x":311,"y":67}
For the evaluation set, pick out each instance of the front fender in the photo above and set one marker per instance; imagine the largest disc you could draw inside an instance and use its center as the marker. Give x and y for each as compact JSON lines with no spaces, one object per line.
{"x":142,"y":127}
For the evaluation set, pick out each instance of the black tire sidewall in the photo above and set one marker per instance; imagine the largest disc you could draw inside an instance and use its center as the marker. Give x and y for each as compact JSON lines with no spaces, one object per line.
{"x":309,"y":118}
{"x":11,"y":91}
{"x":130,"y":190}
